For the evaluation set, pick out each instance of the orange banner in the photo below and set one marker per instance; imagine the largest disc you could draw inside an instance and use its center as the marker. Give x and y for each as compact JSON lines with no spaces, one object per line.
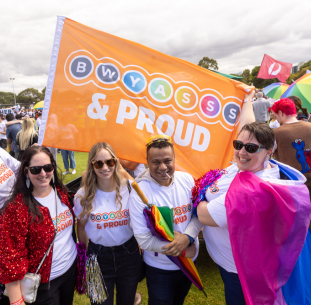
{"x":105,"y":88}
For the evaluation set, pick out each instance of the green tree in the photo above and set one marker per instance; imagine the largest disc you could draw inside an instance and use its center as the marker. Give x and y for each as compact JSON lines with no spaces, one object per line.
{"x":29,"y":96}
{"x":247,"y":77}
{"x":208,"y":63}
{"x":43,"y":92}
{"x":6,"y":98}
{"x":302,"y":71}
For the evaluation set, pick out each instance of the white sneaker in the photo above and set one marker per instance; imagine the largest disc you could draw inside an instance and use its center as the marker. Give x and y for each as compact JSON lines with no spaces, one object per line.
{"x":73,"y":172}
{"x":66,"y":172}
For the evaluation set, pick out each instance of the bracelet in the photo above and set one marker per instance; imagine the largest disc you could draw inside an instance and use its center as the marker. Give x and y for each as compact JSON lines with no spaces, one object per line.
{"x":183,"y":253}
{"x":19,"y":302}
{"x":247,"y":100}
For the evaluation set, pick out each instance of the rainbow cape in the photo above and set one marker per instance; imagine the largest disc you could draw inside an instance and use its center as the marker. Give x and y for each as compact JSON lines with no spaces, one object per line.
{"x":160,"y":223}
{"x":268,"y":225}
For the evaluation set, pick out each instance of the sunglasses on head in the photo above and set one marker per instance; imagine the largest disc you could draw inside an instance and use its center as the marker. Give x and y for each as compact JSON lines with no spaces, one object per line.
{"x":99,"y":163}
{"x":36,"y":170}
{"x":249,"y":147}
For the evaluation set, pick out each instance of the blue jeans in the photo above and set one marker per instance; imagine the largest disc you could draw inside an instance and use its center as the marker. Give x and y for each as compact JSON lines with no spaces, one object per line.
{"x":166,"y":287}
{"x":71,"y":155}
{"x":120,"y":266}
{"x":233,"y":289}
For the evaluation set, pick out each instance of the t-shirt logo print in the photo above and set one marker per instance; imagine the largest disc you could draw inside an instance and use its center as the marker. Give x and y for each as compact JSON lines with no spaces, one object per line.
{"x":302,"y":155}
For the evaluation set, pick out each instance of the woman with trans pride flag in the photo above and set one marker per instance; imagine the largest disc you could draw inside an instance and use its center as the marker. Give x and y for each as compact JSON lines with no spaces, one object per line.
{"x":256,"y":215}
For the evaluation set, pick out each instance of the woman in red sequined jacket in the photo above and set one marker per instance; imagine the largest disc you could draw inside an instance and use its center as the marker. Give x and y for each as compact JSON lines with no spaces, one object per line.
{"x":28,"y":224}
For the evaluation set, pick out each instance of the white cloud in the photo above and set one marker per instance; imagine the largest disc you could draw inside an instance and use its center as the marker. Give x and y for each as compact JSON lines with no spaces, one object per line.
{"x":235,"y":33}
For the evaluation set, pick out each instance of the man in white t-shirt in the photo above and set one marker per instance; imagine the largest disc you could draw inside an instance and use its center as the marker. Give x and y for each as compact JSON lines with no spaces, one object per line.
{"x":164,"y":187}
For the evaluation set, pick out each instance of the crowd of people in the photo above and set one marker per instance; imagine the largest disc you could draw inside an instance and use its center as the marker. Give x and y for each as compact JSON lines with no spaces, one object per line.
{"x":36,"y":211}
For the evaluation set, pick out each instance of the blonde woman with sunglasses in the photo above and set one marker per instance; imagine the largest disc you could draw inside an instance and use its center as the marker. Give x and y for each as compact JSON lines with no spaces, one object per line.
{"x":102,"y":209}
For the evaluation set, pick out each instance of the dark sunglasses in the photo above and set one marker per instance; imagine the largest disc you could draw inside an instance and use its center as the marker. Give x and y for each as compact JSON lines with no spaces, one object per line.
{"x":249,"y":147}
{"x":36,"y":170}
{"x":98,"y":164}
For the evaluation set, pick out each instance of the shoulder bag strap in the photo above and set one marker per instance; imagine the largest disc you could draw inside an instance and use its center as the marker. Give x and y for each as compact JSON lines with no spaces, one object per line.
{"x":55,"y":233}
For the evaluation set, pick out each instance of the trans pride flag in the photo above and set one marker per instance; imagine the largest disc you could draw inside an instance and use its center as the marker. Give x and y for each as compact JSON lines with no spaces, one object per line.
{"x":268,"y":224}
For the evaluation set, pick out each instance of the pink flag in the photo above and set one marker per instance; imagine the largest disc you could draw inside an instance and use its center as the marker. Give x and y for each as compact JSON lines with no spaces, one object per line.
{"x":271,"y":68}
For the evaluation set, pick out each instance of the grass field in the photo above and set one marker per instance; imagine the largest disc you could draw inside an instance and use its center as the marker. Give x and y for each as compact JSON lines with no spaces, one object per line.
{"x":207,"y":268}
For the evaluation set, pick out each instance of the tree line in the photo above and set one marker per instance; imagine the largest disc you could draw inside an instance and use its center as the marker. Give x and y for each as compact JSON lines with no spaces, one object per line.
{"x":25,"y":97}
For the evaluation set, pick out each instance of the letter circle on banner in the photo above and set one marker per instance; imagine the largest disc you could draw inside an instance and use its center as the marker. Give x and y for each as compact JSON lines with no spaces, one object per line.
{"x":160,"y":90}
{"x":186,"y":98}
{"x":210,"y":106}
{"x":81,"y":67}
{"x":107,"y":73}
{"x":230,"y":113}
{"x":134,"y":81}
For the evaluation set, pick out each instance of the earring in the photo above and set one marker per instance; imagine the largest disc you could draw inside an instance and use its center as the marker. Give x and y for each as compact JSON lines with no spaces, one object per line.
{"x":27,"y":182}
{"x":53,"y":179}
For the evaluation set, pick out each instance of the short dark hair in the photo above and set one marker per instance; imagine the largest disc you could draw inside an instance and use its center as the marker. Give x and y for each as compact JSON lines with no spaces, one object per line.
{"x":262,"y":132}
{"x":10,"y":117}
{"x":159,"y":145}
{"x":18,"y":116}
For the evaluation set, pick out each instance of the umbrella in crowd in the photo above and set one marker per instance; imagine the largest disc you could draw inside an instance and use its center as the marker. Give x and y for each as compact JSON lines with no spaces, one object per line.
{"x":160,"y":223}
{"x":275,"y":90}
{"x":302,"y":89}
{"x":39,"y":105}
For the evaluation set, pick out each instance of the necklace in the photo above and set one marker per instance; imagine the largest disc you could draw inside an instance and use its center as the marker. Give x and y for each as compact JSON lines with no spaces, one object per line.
{"x":108,"y":196}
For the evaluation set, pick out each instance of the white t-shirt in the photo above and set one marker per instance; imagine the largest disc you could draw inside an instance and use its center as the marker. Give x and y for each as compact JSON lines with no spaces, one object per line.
{"x":274,"y":124}
{"x":107,"y":224}
{"x":38,"y":122}
{"x":2,"y":127}
{"x":139,"y":169}
{"x":217,"y":239}
{"x":9,"y":168}
{"x":64,"y":248}
{"x":176,"y":196}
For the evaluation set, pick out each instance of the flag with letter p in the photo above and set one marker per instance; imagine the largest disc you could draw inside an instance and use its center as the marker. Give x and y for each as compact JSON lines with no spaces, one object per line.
{"x":105,"y":88}
{"x":271,"y":68}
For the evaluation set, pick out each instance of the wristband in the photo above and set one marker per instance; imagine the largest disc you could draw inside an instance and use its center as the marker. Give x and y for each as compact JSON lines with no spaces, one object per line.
{"x":19,"y":302}
{"x":183,"y":253}
{"x":247,"y":100}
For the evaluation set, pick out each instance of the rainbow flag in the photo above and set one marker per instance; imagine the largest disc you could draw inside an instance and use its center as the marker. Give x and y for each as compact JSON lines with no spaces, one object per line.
{"x":268,"y":225}
{"x":160,"y":223}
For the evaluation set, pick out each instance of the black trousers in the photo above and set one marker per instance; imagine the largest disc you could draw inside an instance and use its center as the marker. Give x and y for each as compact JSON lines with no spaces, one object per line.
{"x":120,"y":266}
{"x":61,"y":289}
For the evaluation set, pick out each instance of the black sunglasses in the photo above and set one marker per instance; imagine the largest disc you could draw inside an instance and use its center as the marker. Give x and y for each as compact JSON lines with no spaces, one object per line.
{"x":98,"y":164}
{"x":36,"y":170}
{"x":249,"y":147}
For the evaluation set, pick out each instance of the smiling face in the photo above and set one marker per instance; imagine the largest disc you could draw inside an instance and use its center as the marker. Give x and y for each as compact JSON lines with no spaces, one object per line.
{"x":105,"y":172}
{"x":247,"y":161}
{"x":43,"y":179}
{"x":161,"y":161}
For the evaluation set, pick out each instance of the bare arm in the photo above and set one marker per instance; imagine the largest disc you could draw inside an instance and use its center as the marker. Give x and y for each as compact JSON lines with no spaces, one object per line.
{"x":128,"y":164}
{"x":13,"y":122}
{"x":14,"y":291}
{"x":81,"y":232}
{"x":204,"y":215}
{"x":247,"y":113}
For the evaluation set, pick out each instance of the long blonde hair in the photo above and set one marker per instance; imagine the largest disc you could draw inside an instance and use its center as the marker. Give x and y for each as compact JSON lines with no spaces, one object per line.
{"x":27,"y":133}
{"x":89,"y":180}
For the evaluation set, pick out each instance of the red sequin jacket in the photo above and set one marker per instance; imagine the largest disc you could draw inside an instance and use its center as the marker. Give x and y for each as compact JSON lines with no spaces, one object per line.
{"x":23,"y":244}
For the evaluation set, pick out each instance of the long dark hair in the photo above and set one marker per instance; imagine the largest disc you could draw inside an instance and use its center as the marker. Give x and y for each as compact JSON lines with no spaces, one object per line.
{"x":20,"y":183}
{"x":298,"y":105}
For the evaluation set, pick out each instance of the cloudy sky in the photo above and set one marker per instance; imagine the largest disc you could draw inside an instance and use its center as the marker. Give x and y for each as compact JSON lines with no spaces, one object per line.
{"x":235,"y":33}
